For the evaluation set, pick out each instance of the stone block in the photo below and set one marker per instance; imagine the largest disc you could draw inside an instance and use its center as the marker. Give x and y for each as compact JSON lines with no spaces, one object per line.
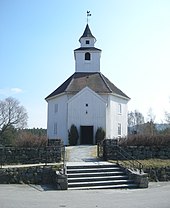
{"x":62,"y":182}
{"x":140,"y":179}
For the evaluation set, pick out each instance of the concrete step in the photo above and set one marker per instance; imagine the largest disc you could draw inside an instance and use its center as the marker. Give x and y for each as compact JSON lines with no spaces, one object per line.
{"x":88,"y":165}
{"x":95,"y":174}
{"x":99,"y":183}
{"x":92,"y":170}
{"x":119,"y":186}
{"x":99,"y":178}
{"x":100,"y":175}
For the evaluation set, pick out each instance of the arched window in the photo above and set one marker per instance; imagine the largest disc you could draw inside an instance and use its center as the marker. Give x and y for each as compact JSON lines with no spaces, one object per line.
{"x":87,"y":56}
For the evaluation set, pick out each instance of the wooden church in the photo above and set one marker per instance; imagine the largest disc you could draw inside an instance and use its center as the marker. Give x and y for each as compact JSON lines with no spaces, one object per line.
{"x":87,"y":99}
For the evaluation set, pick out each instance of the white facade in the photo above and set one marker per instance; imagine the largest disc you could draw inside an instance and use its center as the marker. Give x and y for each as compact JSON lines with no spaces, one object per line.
{"x":116,"y":115}
{"x":87,"y":108}
{"x":82,"y":65}
{"x":87,"y":41}
{"x":87,"y":99}
{"x":57,"y":118}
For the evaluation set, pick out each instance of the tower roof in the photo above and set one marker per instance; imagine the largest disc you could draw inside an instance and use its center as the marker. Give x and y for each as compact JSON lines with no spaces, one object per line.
{"x":87,"y":49}
{"x":87,"y":33}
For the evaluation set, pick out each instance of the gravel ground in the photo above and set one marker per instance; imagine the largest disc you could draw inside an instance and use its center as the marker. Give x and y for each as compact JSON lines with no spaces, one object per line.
{"x":81,"y":153}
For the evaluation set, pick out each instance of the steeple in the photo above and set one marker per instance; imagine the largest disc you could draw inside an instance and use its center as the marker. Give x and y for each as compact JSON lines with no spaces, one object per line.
{"x":87,"y":57}
{"x":87,"y":33}
{"x":87,"y":39}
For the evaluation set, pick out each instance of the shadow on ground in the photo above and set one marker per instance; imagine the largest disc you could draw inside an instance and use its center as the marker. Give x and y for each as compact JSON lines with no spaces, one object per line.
{"x":46,"y":187}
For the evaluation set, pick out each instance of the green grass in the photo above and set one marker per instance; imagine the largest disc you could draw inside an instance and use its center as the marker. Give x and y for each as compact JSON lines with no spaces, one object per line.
{"x":150,"y":163}
{"x":155,"y":163}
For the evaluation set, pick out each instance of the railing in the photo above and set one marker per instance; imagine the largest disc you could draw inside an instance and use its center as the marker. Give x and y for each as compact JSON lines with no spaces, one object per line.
{"x":63,"y":159}
{"x":100,"y":149}
{"x":123,"y":158}
{"x":129,"y":161}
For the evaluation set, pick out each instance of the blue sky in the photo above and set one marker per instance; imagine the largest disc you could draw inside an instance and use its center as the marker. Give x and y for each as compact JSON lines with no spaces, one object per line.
{"x":37,"y":39}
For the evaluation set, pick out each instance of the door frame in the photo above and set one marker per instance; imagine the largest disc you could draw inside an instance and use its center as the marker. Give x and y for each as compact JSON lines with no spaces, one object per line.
{"x":86,"y":135}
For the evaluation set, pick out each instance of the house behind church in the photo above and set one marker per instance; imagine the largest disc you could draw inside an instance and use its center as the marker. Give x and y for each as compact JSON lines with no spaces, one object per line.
{"x":87,"y":99}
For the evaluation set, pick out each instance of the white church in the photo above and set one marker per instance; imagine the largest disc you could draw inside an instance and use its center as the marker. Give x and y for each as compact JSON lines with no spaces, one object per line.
{"x":87,"y":99}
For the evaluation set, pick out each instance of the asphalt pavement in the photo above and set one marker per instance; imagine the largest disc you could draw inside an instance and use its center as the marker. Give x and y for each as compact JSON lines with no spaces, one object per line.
{"x":26,"y":196}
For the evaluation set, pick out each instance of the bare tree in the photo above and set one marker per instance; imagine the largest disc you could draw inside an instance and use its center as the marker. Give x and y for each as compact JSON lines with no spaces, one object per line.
{"x":12,"y":114}
{"x":167,"y":117}
{"x":151,"y":116}
{"x":151,"y":122}
{"x":135,"y":120}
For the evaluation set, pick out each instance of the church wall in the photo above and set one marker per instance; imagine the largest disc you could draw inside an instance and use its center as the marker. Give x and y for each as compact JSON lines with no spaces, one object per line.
{"x":91,"y":42}
{"x":106,"y":97}
{"x":57,"y":118}
{"x":83,"y":65}
{"x":115,"y":117}
{"x":87,"y":109}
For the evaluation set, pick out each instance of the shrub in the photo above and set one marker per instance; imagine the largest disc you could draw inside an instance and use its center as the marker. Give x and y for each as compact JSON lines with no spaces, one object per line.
{"x":73,"y":135}
{"x":100,"y":135}
{"x":145,"y":140}
{"x":27,"y":139}
{"x":8,"y":137}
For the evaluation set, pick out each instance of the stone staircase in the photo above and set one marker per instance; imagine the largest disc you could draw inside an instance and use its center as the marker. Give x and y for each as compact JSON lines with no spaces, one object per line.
{"x":97,"y":175}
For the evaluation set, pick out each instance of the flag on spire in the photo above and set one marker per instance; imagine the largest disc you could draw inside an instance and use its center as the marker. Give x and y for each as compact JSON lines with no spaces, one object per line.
{"x":88,"y":15}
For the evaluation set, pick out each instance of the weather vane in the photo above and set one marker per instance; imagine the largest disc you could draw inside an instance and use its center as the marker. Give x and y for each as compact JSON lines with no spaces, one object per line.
{"x":88,"y":15}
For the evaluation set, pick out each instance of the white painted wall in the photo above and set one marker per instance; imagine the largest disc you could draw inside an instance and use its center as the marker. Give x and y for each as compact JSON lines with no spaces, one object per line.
{"x":114,"y":117}
{"x":59,"y":117}
{"x":102,"y":111}
{"x":82,"y":65}
{"x":96,"y":110}
{"x":91,"y":42}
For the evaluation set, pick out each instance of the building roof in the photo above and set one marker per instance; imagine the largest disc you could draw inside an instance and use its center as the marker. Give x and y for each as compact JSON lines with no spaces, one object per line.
{"x":87,"y":49}
{"x":87,"y":33}
{"x":95,"y":81}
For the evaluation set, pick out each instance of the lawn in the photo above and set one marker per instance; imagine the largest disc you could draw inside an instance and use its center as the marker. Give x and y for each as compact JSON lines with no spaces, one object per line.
{"x":149,"y":163}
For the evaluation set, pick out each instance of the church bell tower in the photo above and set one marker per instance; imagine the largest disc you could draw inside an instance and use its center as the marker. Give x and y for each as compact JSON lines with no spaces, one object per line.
{"x":87,"y":57}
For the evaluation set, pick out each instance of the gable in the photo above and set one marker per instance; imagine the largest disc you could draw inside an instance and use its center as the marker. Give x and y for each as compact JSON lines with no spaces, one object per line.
{"x":86,"y":108}
{"x":86,"y":94}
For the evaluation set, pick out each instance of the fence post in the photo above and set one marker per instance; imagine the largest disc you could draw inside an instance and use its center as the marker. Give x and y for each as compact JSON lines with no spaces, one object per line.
{"x":98,"y":149}
{"x":1,"y":157}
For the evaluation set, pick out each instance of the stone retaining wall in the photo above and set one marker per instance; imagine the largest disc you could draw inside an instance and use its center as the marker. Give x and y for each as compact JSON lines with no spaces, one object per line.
{"x":110,"y":150}
{"x":12,"y":155}
{"x":28,"y":175}
{"x":42,"y":175}
{"x":138,"y":152}
{"x":48,"y":175}
{"x":158,"y":174}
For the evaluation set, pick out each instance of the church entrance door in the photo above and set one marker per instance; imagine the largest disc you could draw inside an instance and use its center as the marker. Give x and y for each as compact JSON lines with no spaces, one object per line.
{"x":86,"y":134}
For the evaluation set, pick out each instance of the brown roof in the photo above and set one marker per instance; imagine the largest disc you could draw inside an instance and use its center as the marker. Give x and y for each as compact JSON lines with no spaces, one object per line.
{"x":95,"y":81}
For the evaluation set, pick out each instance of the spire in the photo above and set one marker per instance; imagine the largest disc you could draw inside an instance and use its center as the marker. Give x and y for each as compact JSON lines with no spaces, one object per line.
{"x":87,"y":33}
